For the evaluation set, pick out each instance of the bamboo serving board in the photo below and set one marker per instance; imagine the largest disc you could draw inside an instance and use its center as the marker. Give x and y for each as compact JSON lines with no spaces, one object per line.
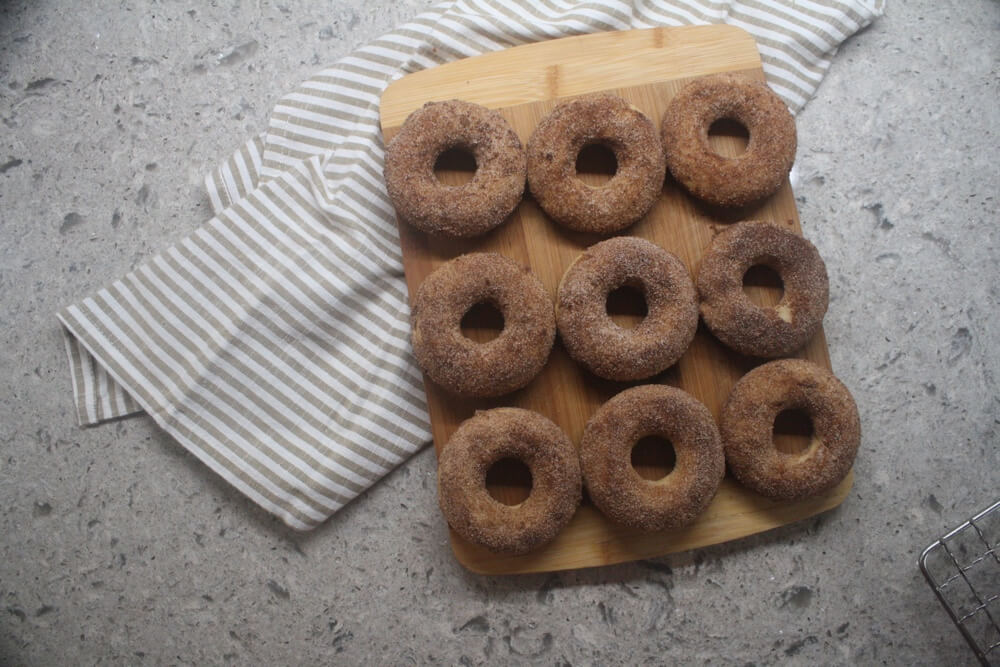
{"x":646,"y":67}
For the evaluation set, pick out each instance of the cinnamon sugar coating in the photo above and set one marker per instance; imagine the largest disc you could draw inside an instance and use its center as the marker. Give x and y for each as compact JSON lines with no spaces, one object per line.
{"x":606,"y":449}
{"x":465,"y":210}
{"x":497,"y":434}
{"x":593,"y":339}
{"x":747,"y":428}
{"x":502,"y":365}
{"x":610,"y":121}
{"x":738,"y":322}
{"x":724,"y":181}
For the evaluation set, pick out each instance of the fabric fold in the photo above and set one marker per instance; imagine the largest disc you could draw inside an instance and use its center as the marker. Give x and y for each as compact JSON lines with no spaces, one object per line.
{"x":273,"y":342}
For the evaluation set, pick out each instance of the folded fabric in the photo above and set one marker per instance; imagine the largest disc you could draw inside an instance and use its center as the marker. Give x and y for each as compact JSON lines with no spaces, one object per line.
{"x":273,"y":343}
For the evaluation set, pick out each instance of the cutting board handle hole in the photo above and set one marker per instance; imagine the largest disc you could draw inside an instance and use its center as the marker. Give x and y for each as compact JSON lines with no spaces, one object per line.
{"x":728,"y":137}
{"x":455,"y":166}
{"x":509,"y":481}
{"x":482,"y":323}
{"x":596,"y":164}
{"x":626,"y":306}
{"x":793,"y":431}
{"x":653,"y":457}
{"x":763,"y":285}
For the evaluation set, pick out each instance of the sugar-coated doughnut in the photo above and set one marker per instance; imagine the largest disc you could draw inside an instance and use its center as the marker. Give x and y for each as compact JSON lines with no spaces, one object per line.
{"x":556,"y":143}
{"x":606,"y":458}
{"x":473,"y":208}
{"x":747,"y":429}
{"x":485,"y":439}
{"x":729,"y":181}
{"x":738,"y":322}
{"x":593,"y":339}
{"x":502,"y":365}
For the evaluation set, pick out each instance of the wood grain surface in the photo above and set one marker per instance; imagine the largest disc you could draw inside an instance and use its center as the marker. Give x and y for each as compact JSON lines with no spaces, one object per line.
{"x":647,"y":68}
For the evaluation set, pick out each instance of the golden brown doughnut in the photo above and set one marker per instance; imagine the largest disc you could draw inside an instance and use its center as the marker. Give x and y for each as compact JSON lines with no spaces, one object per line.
{"x":747,"y":428}
{"x":502,"y":365}
{"x":610,"y":121}
{"x":606,"y":458}
{"x":465,"y":210}
{"x":724,"y":181}
{"x":737,"y":321}
{"x":479,"y":443}
{"x":593,"y":339}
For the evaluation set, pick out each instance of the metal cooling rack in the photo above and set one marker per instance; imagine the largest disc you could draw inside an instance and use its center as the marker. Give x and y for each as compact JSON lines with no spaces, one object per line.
{"x":963,"y":568}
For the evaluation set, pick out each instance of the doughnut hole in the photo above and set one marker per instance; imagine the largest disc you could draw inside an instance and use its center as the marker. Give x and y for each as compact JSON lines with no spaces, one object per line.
{"x":793,"y":432}
{"x":763,"y":286}
{"x":596,"y":165}
{"x":455,"y":166}
{"x":626,"y":306}
{"x":728,"y":137}
{"x":509,"y":481}
{"x":483,"y":322}
{"x":653,"y":457}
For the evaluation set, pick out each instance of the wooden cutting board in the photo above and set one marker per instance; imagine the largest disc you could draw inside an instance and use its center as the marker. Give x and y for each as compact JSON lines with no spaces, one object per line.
{"x":647,"y":68}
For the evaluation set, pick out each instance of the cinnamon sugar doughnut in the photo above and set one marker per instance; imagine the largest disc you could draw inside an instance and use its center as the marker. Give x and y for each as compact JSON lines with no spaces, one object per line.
{"x":605,"y":458}
{"x":479,"y":443}
{"x":593,"y":339}
{"x":465,"y":210}
{"x":738,"y":322}
{"x":502,"y":365}
{"x":553,"y":148}
{"x":724,"y":181}
{"x":747,"y":427}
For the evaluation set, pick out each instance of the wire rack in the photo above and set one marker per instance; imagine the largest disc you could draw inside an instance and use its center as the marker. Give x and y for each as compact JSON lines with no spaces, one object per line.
{"x":963,"y":568}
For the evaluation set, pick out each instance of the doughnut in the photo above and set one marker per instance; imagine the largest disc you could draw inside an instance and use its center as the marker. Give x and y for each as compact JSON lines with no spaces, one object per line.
{"x":606,"y":458}
{"x":738,"y":322}
{"x":593,"y":339}
{"x":497,"y":434}
{"x":747,"y":428}
{"x":724,"y":181}
{"x":465,"y":210}
{"x":553,"y":148}
{"x":502,"y":365}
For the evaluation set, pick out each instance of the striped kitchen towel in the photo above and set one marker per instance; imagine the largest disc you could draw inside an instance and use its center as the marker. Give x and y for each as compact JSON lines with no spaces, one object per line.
{"x":273,"y":342}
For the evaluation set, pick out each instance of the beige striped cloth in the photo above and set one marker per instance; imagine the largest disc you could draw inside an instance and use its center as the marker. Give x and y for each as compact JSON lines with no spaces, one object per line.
{"x":273,"y":343}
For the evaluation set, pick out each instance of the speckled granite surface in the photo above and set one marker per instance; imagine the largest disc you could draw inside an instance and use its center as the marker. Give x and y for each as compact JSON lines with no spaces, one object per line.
{"x":120,"y":548}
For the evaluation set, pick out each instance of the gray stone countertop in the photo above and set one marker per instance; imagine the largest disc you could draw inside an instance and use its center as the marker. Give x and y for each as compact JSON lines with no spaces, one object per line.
{"x":118,"y":547}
